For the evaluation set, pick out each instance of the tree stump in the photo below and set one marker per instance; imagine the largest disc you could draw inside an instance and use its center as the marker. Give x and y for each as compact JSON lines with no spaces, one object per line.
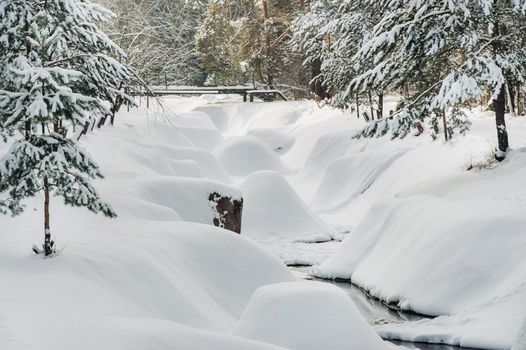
{"x":228,"y":211}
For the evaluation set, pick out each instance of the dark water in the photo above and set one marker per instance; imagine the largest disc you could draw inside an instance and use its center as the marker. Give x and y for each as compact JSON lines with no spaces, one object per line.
{"x":375,"y":311}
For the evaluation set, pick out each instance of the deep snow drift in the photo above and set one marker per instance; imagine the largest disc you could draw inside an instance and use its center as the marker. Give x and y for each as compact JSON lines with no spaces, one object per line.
{"x":307,"y":316}
{"x":422,"y":231}
{"x":273,"y":208}
{"x":156,"y":277}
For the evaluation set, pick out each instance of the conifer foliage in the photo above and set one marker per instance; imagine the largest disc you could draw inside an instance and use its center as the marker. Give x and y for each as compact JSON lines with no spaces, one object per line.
{"x":440,"y":55}
{"x":57,"y":71}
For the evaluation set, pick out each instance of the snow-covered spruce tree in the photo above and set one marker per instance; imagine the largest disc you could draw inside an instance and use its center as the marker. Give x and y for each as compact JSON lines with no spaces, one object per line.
{"x":447,"y":53}
{"x":311,"y":35}
{"x":56,"y":73}
{"x":331,"y":33}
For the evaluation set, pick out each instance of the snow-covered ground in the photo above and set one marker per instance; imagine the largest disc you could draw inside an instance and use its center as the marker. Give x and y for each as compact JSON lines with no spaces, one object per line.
{"x":418,"y":230}
{"x":422,"y":231}
{"x":159,"y":276}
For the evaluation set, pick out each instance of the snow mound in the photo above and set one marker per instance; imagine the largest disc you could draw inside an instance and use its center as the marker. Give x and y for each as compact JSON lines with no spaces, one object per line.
{"x":204,"y":138}
{"x":118,"y":276}
{"x":163,"y":133}
{"x":194,"y":119}
{"x":278,"y":141}
{"x":243,"y":155}
{"x":271,"y":207}
{"x":176,"y":161}
{"x":484,"y":263}
{"x":481,"y":327}
{"x":306,"y":316}
{"x":189,"y":198}
{"x":217,"y":115}
{"x":348,"y":177}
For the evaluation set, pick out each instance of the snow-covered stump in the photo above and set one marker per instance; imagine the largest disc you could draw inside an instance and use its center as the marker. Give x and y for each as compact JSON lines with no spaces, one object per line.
{"x":228,"y":211}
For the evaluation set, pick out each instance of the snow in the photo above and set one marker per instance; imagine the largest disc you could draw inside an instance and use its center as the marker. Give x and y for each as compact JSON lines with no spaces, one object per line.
{"x":520,"y":343}
{"x":306,"y":316}
{"x":159,"y":275}
{"x":243,"y":155}
{"x":278,"y":141}
{"x":419,"y":231}
{"x":273,"y":208}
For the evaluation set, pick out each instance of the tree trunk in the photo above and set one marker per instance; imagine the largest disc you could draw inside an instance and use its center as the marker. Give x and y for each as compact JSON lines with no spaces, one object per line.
{"x":500,"y":119}
{"x":28,"y":130}
{"x":317,"y":87}
{"x":500,"y":102}
{"x":48,"y":244}
{"x":371,"y":104}
{"x":380,"y":105}
{"x":444,"y":125}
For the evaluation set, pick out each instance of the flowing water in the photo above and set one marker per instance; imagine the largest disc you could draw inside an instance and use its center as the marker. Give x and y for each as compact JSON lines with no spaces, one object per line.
{"x":375,"y":311}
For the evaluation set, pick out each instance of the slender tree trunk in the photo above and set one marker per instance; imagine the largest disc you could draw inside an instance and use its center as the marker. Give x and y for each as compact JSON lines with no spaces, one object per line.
{"x":380,"y":105}
{"x":357,"y":109}
{"x":500,"y":102}
{"x":371,"y":104}
{"x":27,"y":130}
{"x":444,"y":125}
{"x":48,"y":244}
{"x":317,"y":87}
{"x":500,"y":119}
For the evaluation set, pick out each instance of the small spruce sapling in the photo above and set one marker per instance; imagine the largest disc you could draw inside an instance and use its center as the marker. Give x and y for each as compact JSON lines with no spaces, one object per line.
{"x":57,"y":71}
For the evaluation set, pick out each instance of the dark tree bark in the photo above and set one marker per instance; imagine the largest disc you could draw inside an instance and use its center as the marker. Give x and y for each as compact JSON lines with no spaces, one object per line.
{"x":380,"y":105}
{"x":317,"y":87}
{"x":500,"y":101}
{"x":500,"y":119}
{"x":48,"y":243}
{"x":444,"y":126}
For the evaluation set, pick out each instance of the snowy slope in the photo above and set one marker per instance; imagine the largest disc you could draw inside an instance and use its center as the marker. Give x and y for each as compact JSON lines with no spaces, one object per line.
{"x":156,"y":277}
{"x":308,"y":316}
{"x":425,"y":233}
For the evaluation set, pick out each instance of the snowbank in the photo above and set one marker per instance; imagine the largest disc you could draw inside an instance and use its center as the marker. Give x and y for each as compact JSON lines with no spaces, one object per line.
{"x":469,"y":233}
{"x":348,"y":177}
{"x":278,"y":141}
{"x":145,"y":279}
{"x":271,"y":207}
{"x":306,"y":316}
{"x":130,"y":273}
{"x":243,"y":155}
{"x":189,"y":198}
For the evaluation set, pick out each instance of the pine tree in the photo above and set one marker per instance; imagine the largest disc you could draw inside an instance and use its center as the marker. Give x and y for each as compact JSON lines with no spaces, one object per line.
{"x":440,"y":55}
{"x":57,"y":71}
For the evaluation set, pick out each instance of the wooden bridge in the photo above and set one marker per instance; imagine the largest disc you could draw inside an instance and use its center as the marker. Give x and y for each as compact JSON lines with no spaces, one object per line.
{"x":247,"y":92}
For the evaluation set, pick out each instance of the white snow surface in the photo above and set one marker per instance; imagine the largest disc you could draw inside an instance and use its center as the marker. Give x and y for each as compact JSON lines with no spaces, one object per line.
{"x":273,"y":208}
{"x":159,"y":276}
{"x":243,"y":155}
{"x":420,"y":230}
{"x":306,"y":316}
{"x":520,"y":343}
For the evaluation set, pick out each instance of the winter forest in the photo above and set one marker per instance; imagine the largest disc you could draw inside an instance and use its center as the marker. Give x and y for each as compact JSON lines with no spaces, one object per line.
{"x":262,"y":174}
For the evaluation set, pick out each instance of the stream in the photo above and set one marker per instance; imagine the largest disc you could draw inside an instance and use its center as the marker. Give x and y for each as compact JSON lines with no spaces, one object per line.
{"x":375,"y":311}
